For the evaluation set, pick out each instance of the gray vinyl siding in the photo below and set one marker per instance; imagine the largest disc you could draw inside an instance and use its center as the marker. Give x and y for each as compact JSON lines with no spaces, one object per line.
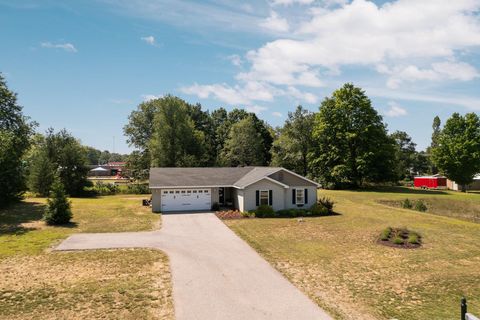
{"x":312,"y":197}
{"x":278,"y":195}
{"x":156,"y":200}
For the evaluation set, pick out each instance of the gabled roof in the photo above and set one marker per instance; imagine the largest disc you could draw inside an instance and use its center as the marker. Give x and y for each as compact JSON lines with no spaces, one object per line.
{"x":238,"y":177}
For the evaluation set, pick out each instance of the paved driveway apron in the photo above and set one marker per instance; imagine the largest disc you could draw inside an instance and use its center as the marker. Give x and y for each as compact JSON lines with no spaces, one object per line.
{"x":215,"y":274}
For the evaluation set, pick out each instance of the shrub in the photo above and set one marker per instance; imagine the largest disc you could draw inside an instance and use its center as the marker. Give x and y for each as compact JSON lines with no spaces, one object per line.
{"x":249,"y":214}
{"x":137,"y":188}
{"x":264,"y":211}
{"x":407,"y":204}
{"x":420,"y":206}
{"x":215,"y":206}
{"x":398,"y":240}
{"x":327,"y":203}
{"x":413,"y":238}
{"x":318,"y":209}
{"x":58,"y":207}
{"x":386,"y":234}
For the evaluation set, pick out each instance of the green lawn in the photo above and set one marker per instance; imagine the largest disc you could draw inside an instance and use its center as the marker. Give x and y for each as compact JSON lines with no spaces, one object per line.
{"x":106,"y":284}
{"x":338,"y":263}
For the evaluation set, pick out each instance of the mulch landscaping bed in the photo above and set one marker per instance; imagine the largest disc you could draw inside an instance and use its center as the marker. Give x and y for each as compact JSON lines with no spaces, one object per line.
{"x":230,"y":214}
{"x":399,"y":233}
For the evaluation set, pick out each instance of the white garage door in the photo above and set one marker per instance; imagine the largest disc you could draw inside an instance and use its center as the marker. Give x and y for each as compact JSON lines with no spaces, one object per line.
{"x":186,"y":199}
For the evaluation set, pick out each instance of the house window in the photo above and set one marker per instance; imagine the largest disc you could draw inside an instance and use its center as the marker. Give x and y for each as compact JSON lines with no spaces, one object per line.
{"x":165,"y":192}
{"x":300,"y":196}
{"x":206,"y":191}
{"x":171,"y":191}
{"x":194,"y":191}
{"x":264,"y":198}
{"x":177,"y":191}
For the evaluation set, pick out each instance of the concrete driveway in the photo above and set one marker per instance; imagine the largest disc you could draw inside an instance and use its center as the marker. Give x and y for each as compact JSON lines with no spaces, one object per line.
{"x":216,"y":275}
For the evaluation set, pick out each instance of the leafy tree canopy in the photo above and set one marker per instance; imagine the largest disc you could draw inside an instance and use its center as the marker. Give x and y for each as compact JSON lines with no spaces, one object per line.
{"x":352,"y":145}
{"x":457,"y":153}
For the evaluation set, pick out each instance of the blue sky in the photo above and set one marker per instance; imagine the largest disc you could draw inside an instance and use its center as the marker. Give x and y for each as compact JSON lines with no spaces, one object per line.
{"x":85,"y":65}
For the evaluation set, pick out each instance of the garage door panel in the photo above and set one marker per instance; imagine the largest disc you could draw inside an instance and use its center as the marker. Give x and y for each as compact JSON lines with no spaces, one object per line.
{"x":186,"y":199}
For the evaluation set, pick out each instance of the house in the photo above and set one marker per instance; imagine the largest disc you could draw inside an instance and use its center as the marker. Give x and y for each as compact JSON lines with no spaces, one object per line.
{"x":430,"y":182}
{"x":242,"y":188}
{"x":109,"y":169}
{"x":475,"y":185}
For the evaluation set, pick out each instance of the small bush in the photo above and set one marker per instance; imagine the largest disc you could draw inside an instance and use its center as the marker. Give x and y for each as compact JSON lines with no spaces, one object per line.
{"x":215,"y":206}
{"x":136,"y":188}
{"x":420,"y":206}
{"x":407,"y":204}
{"x":327,"y":203}
{"x":413,"y":238}
{"x":398,"y":240}
{"x":58,"y":207}
{"x":386,"y":234}
{"x":264,"y":211}
{"x":319,"y":209}
{"x":249,"y":214}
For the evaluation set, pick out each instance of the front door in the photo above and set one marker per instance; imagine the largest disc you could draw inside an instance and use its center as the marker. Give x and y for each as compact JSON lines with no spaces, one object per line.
{"x":221,"y":195}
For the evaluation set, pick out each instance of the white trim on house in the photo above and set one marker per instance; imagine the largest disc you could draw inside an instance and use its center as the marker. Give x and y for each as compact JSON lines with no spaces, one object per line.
{"x":260,"y":197}
{"x":192,"y":187}
{"x":267,"y":178}
{"x":299,"y":176}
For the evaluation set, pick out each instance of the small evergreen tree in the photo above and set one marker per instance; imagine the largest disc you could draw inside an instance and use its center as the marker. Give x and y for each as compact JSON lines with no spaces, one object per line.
{"x":58,"y":207}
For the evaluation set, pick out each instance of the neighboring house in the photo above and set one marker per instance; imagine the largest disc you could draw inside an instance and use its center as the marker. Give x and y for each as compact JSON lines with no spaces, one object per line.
{"x":475,"y":185}
{"x":109,"y":169}
{"x":242,"y":188}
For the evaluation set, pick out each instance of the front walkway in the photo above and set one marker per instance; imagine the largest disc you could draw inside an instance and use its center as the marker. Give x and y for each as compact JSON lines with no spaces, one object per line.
{"x":215,"y":274}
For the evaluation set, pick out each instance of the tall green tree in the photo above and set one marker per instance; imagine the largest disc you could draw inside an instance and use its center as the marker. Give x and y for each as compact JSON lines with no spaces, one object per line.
{"x":243,"y":146}
{"x":406,"y":154}
{"x":137,"y":165}
{"x":68,"y":159}
{"x":15,"y":132}
{"x":42,"y":173}
{"x":352,"y":145}
{"x":294,"y":142}
{"x":436,"y":130}
{"x":457,"y":153}
{"x":175,"y":141}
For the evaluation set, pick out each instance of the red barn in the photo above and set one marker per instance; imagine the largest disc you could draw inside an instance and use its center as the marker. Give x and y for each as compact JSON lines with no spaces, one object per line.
{"x":431,"y":182}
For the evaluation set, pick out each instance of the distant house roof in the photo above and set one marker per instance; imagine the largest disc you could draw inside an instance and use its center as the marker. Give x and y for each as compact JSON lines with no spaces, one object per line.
{"x":238,"y":177}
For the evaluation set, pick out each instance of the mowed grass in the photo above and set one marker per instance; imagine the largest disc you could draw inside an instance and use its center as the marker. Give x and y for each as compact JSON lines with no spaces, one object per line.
{"x":23,"y":232}
{"x":337,"y":262}
{"x":120,"y":284}
{"x":36,"y":283}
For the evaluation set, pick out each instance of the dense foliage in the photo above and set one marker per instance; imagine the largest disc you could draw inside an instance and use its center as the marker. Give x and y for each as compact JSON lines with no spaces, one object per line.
{"x":15,"y":133}
{"x":351,"y":142}
{"x":457,"y":153}
{"x":58,"y":206}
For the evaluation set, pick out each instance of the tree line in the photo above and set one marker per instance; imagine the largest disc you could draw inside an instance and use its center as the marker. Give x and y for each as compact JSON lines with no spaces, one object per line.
{"x":345,"y":144}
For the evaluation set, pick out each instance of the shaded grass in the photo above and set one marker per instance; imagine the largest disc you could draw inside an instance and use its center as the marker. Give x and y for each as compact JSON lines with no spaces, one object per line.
{"x":120,"y":284}
{"x":23,"y":232}
{"x":338,"y":263}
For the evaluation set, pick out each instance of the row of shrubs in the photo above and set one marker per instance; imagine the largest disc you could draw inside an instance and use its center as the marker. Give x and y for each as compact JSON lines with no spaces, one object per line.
{"x":323,"y":207}
{"x":418,"y":205}
{"x":107,"y":189}
{"x":400,"y":236}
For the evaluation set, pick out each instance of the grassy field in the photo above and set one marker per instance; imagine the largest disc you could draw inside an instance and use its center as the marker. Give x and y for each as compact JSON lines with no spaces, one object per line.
{"x":338,"y":263}
{"x":37,"y":283}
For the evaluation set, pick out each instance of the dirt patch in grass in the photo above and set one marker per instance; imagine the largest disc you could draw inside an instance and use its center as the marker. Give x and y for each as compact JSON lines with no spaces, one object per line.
{"x":400,"y":238}
{"x":120,"y":284}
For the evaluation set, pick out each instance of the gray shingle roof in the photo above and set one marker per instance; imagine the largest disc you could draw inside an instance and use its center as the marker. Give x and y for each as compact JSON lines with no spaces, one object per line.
{"x":208,"y":176}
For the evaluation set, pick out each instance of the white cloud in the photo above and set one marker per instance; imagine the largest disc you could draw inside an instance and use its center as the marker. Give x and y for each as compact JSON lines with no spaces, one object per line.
{"x":235,"y":59}
{"x":290,"y":2}
{"x":395,"y":110}
{"x":64,"y":46}
{"x":439,"y":71}
{"x":150,"y":40}
{"x":256,"y":109}
{"x":149,"y":97}
{"x":275,"y":23}
{"x":277,"y":114}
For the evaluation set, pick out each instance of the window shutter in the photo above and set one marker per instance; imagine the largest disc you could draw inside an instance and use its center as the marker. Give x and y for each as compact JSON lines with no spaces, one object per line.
{"x":270,"y":193}
{"x":294,"y":199}
{"x":306,"y":196}
{"x":257,"y":196}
